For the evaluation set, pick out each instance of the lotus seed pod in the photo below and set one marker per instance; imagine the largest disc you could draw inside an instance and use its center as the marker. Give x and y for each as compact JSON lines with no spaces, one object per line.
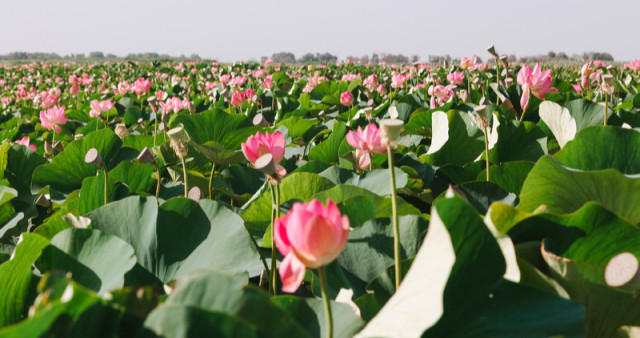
{"x":121,"y":130}
{"x":259,"y":120}
{"x":492,"y":50}
{"x":42,"y":201}
{"x":78,"y":137}
{"x":145,"y":156}
{"x":195,"y":194}
{"x":266,"y":164}
{"x":622,"y":271}
{"x":93,"y":157}
{"x":390,"y":130}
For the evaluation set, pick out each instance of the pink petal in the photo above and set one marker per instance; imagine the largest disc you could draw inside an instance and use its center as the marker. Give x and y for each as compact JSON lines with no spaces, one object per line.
{"x":291,"y":272}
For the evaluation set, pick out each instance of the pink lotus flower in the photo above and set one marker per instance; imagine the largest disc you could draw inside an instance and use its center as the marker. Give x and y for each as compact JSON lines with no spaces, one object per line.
{"x":455,"y":78}
{"x":249,"y":94}
{"x":441,"y":94}
{"x":260,"y":144}
{"x":312,"y":236}
{"x":74,"y":90}
{"x":382,"y":89}
{"x":397,"y":81}
{"x":346,"y":99}
{"x":237,"y":99}
{"x":366,"y":142}
{"x":98,"y":107}
{"x":633,"y":65}
{"x":25,"y":142}
{"x":371,"y":82}
{"x":469,"y":64}
{"x":141,"y":86}
{"x":52,"y":118}
{"x":268,"y":82}
{"x":535,"y":82}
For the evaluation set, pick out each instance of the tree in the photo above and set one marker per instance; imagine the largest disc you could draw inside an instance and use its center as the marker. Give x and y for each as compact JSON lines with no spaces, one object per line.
{"x":283,"y":57}
{"x":96,"y":55}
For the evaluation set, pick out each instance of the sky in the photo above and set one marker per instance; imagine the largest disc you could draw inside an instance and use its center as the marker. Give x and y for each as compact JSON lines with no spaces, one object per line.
{"x":248,"y":29}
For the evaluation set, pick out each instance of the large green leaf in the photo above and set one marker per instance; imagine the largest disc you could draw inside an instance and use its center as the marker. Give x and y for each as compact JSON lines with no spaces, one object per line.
{"x":309,"y":313}
{"x":217,"y":153}
{"x":576,"y":248}
{"x":136,"y":175}
{"x":179,"y":236}
{"x":216,"y":125}
{"x":220,"y":293}
{"x":16,"y":280}
{"x":373,"y":180}
{"x":301,"y":186}
{"x":564,"y":190}
{"x":96,"y":260}
{"x":603,"y":147}
{"x":456,"y":139}
{"x":509,"y":176}
{"x":436,"y":294}
{"x":20,"y":166}
{"x":482,"y":194}
{"x":67,"y":170}
{"x":327,"y":151}
{"x":301,"y":131}
{"x":67,"y":309}
{"x":92,"y":193}
{"x":518,"y":141}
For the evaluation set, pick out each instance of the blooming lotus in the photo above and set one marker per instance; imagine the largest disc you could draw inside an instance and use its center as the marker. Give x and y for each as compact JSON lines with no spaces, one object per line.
{"x":141,"y":86}
{"x":25,"y":142}
{"x":535,"y":82}
{"x":237,"y":99}
{"x":469,"y":64}
{"x":260,"y":144}
{"x":455,"y":78}
{"x":268,"y":82}
{"x":98,"y":107}
{"x":633,"y":65}
{"x":310,"y":236}
{"x":441,"y":94}
{"x":52,"y":118}
{"x":366,"y":142}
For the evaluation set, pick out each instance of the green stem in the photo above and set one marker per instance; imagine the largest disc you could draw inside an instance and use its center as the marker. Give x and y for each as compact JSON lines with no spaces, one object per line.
{"x":213,"y":169}
{"x":106,"y":185}
{"x":486,"y":149}
{"x":158,"y":184}
{"x":394,"y":210}
{"x":275,"y":214}
{"x":326,"y":301}
{"x":186,"y":180}
{"x":155,"y":128}
{"x":606,"y":108}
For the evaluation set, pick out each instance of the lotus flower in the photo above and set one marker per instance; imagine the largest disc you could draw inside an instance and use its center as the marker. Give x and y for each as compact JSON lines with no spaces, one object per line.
{"x":455,"y":78}
{"x":98,"y":107}
{"x":310,"y":236}
{"x":633,"y":65}
{"x":237,"y":99}
{"x":260,"y":144}
{"x":346,"y":99}
{"x":25,"y":142}
{"x":366,"y":142}
{"x":268,"y":82}
{"x":535,"y":82}
{"x":470,"y":64}
{"x":141,"y":86}
{"x":52,"y":118}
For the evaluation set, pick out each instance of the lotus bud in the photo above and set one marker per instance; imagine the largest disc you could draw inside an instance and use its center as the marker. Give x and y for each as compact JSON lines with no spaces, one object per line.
{"x":623,"y":271}
{"x":259,"y":120}
{"x":93,"y":157}
{"x":492,"y":50}
{"x":145,"y":156}
{"x":121,"y":130}
{"x":390,"y":130}
{"x":78,"y":137}
{"x":195,"y":194}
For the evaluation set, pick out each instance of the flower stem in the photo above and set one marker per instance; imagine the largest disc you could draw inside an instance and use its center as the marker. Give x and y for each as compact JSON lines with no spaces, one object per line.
{"x":326,"y":301}
{"x":486,"y":149}
{"x":106,"y":185}
{"x":186,"y":180}
{"x":394,"y":210}
{"x":155,"y":128}
{"x":158,"y":184}
{"x":275,"y":214}
{"x":606,"y":108}
{"x":213,"y":170}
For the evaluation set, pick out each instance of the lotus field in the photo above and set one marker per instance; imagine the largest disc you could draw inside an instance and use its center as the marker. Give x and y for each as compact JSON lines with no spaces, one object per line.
{"x":329,"y":200}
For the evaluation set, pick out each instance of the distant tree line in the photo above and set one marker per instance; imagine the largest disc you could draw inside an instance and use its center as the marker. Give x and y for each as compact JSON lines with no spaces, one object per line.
{"x":37,"y":56}
{"x":561,"y":56}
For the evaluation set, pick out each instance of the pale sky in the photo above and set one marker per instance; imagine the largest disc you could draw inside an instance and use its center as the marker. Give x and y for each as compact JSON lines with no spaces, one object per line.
{"x":249,"y":29}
